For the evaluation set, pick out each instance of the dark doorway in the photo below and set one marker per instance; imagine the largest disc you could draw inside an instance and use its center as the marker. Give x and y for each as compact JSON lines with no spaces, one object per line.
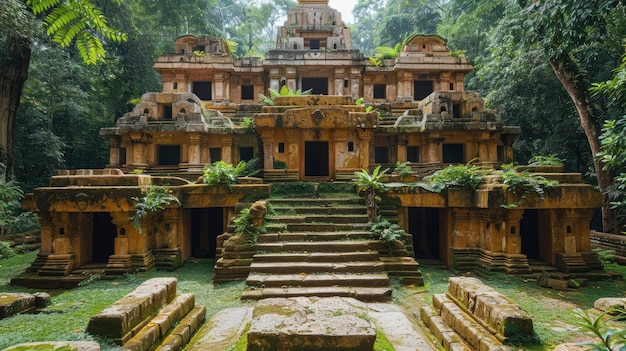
{"x":424,"y":226}
{"x":247,"y":92}
{"x":104,"y":233}
{"x":422,"y":88}
{"x":453,"y":153}
{"x":246,"y":153}
{"x":318,"y":86}
{"x":316,"y":159}
{"x":529,"y":233}
{"x":381,"y":154}
{"x":169,"y":155}
{"x":206,"y":225}
{"x":203,"y":90}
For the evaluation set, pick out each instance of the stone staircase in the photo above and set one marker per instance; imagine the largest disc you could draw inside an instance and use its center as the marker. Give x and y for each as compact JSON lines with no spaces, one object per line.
{"x":322,"y":247}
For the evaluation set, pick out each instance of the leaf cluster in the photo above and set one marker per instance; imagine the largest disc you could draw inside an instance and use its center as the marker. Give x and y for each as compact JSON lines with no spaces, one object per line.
{"x":387,"y":232}
{"x":607,"y":339}
{"x":80,"y":21}
{"x":222,"y":173}
{"x":284,"y":91}
{"x":155,"y":199}
{"x":403,"y":168}
{"x":524,"y":183}
{"x":244,"y":227}
{"x":11,"y":196}
{"x":460,"y":176}
{"x":545,"y":160}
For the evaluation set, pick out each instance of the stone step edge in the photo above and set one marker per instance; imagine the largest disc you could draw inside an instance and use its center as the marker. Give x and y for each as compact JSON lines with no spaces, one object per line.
{"x":360,"y":293}
{"x":318,"y":280}
{"x":467,"y":327}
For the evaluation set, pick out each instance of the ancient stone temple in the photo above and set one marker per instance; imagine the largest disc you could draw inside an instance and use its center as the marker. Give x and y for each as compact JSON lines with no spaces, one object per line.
{"x":414,"y":109}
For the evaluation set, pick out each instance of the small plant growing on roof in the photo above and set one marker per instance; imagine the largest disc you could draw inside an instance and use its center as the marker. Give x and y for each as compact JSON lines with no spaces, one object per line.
{"x":524,"y":184}
{"x":403,"y":168}
{"x":459,"y":176}
{"x":547,"y":160}
{"x":222,"y":173}
{"x":284,"y":91}
{"x":155,"y":199}
{"x":371,"y":185}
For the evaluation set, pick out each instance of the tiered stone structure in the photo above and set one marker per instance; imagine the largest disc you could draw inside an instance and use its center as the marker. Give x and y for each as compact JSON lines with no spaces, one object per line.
{"x":414,"y":110}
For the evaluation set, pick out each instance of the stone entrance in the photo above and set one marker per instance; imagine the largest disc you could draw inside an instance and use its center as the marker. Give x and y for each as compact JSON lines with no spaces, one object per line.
{"x":316,"y":159}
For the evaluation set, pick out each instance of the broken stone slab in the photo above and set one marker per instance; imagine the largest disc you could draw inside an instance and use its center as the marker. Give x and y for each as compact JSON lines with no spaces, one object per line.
{"x":612,"y":305}
{"x":56,"y":345}
{"x":311,"y":323}
{"x":14,"y":303}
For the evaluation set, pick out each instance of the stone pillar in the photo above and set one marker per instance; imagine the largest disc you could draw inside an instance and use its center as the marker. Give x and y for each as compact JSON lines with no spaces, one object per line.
{"x":227,"y":148}
{"x":290,"y":76}
{"x":47,"y":232}
{"x":170,"y":229}
{"x":218,"y":82}
{"x":340,"y":139}
{"x":274,"y":79}
{"x":512,"y":239}
{"x":293,"y":141}
{"x":434,"y":151}
{"x":267,"y":136}
{"x":355,"y":83}
{"x":193,"y":152}
{"x":114,"y":152}
{"x":139,"y":155}
{"x":402,"y":141}
{"x":122,"y":224}
{"x":365,"y":135}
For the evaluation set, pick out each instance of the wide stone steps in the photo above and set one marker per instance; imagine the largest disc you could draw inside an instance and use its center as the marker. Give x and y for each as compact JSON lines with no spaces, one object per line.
{"x":315,"y":236}
{"x":317,"y":280}
{"x":359,"y":293}
{"x":317,"y":247}
{"x":317,"y":267}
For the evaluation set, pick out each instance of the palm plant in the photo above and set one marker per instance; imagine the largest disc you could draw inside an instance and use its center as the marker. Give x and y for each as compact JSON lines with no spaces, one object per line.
{"x":371,"y":185}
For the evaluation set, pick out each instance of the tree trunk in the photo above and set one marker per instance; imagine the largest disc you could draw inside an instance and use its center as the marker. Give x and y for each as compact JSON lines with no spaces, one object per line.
{"x":13,"y":73}
{"x":571,"y":77}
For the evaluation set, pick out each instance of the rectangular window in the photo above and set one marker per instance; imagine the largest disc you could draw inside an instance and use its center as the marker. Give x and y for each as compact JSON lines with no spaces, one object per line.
{"x":351,"y":146}
{"x":203,"y":90}
{"x":247,"y":92}
{"x":122,"y":156}
{"x":453,"y":153}
{"x":175,"y":85}
{"x":451,"y":86}
{"x":315,"y":44}
{"x":380,"y":91}
{"x":169,"y":155}
{"x":413,"y":153}
{"x":381,"y":154}
{"x":215,"y":154}
{"x":456,"y":110}
{"x":281,"y":148}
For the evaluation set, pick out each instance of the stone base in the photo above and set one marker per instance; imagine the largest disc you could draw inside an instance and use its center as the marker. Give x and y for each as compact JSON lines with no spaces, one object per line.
{"x":301,"y":323}
{"x":57,"y":345}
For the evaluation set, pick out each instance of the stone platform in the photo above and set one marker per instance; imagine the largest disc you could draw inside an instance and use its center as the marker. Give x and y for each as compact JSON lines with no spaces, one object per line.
{"x":308,"y":323}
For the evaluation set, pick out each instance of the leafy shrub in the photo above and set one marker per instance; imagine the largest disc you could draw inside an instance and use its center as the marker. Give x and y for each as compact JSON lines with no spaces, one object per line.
{"x":387,"y":232}
{"x":460,"y":176}
{"x":244,"y":227}
{"x":221,"y":172}
{"x":525,"y":184}
{"x":284,"y":91}
{"x":547,"y":160}
{"x":11,"y":196}
{"x":371,"y":185}
{"x":5,"y":250}
{"x":403,"y":168}
{"x":607,"y":339}
{"x":25,"y":222}
{"x":156,"y":199}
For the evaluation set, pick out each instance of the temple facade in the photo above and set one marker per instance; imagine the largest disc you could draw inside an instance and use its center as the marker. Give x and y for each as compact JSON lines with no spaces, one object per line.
{"x":361,"y":113}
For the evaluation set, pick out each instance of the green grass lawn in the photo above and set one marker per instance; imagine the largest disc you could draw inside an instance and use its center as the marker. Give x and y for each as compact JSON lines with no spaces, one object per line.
{"x":66,"y":318}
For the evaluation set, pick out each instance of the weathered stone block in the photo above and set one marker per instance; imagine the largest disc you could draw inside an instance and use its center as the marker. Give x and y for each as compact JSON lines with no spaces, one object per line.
{"x":610,"y":304}
{"x":310,"y":324}
{"x":42,"y":299}
{"x":13,"y":303}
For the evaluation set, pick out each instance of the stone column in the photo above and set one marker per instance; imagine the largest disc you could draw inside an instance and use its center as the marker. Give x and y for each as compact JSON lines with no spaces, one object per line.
{"x":293,"y":141}
{"x":139,"y":155}
{"x":513,"y":241}
{"x":218,"y":82}
{"x":355,"y":83}
{"x":114,"y":153}
{"x":274,"y":79}
{"x":122,"y":224}
{"x":267,"y":136}
{"x":47,"y":232}
{"x":193,"y":152}
{"x":290,"y":76}
{"x":170,"y":229}
{"x":402,"y":141}
{"x":365,"y":135}
{"x":227,"y":148}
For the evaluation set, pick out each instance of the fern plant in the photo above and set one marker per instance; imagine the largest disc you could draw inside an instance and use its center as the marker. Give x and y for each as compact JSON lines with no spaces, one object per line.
{"x":155,"y":199}
{"x":284,"y":91}
{"x":387,"y":232}
{"x":525,"y":184}
{"x":224,"y":173}
{"x":460,"y":176}
{"x":80,"y":21}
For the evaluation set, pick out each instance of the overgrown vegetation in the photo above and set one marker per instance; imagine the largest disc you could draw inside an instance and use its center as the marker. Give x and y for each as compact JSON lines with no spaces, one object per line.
{"x":607,"y":338}
{"x":545,"y":160}
{"x":154,"y":200}
{"x":460,"y":176}
{"x":371,"y":185}
{"x":524,"y":184}
{"x":284,"y":91}
{"x":244,"y":227}
{"x":403,"y":168}
{"x":223,"y":173}
{"x":387,"y":232}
